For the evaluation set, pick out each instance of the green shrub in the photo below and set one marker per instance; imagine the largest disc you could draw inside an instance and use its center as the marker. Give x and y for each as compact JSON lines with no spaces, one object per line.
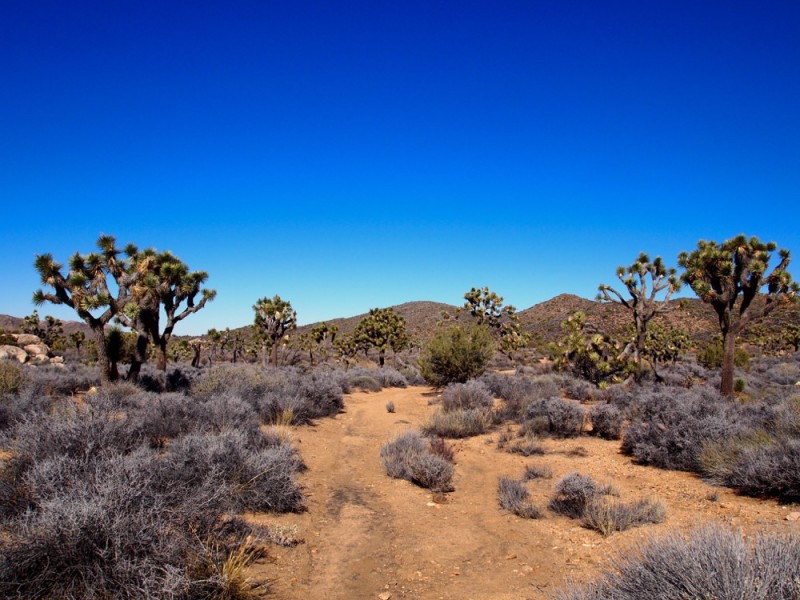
{"x":739,"y":384}
{"x":711,"y":356}
{"x":10,"y":378}
{"x":456,"y":354}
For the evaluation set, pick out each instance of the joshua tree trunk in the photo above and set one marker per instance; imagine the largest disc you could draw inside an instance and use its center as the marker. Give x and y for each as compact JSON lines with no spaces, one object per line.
{"x":139,"y":357}
{"x":273,"y":359}
{"x":106,"y":372}
{"x":729,"y":346}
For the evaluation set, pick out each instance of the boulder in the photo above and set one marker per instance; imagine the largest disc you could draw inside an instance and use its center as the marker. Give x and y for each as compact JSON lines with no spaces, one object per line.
{"x":37,"y":349}
{"x":23,"y":339}
{"x":57,"y":360}
{"x":13,"y":353}
{"x":39,"y":359}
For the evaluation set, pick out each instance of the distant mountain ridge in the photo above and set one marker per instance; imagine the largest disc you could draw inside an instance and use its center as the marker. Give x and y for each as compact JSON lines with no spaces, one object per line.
{"x":542,"y":320}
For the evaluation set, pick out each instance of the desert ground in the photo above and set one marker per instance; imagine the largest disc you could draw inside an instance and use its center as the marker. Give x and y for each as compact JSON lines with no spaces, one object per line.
{"x":368,"y":536}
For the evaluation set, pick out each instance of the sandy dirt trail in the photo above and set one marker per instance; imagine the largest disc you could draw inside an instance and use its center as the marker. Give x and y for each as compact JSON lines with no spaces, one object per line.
{"x":369,"y":536}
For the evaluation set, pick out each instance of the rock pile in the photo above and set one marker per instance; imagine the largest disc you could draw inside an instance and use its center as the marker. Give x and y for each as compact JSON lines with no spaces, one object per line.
{"x":29,"y":349}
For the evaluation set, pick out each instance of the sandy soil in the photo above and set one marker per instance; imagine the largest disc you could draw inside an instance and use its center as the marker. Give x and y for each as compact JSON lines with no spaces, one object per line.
{"x":369,"y":536}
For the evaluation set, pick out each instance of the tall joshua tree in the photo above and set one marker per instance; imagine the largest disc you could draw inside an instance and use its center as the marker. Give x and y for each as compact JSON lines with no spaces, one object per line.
{"x":381,"y":329}
{"x":644,"y":281}
{"x":487,"y":309}
{"x":85,"y":289}
{"x":163,"y":280}
{"x":274,"y":317}
{"x":730,"y":276}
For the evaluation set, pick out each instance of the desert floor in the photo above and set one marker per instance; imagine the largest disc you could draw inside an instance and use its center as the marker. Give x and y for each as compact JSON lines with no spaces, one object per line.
{"x":368,"y":536}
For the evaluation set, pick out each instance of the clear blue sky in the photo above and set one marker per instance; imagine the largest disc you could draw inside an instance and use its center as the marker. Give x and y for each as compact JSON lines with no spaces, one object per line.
{"x":348,"y":155}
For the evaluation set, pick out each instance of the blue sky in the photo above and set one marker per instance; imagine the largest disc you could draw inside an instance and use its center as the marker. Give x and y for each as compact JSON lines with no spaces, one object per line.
{"x":351,"y":155}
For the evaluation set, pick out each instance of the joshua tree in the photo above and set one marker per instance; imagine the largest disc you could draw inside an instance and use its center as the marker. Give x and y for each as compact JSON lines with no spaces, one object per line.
{"x":487,"y":309}
{"x":346,"y":348}
{"x":163,"y":280}
{"x":791,"y":336}
{"x":644,"y":280}
{"x":588,"y":353}
{"x":381,"y":329}
{"x":77,"y":339}
{"x":85,"y":289}
{"x":274,"y":317}
{"x":319,"y":335}
{"x":214,"y":342}
{"x":730,"y":276}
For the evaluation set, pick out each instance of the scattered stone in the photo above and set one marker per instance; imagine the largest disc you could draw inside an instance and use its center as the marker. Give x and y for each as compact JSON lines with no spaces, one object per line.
{"x":384,"y":596}
{"x":793,"y":516}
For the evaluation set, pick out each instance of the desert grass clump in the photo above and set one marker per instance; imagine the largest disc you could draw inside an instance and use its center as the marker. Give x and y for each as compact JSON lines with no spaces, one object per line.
{"x":515,"y":498}
{"x":607,"y":516}
{"x":529,"y":445}
{"x":465,"y":396}
{"x":574,"y":493}
{"x":458,"y":423}
{"x":607,"y":421}
{"x":562,"y":417}
{"x":708,"y":562}
{"x":390,"y":408}
{"x":409,"y":457}
{"x":10,"y":378}
{"x":537,"y":472}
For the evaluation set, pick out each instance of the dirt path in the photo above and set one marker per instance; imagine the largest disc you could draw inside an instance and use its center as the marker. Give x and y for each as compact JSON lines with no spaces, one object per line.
{"x":369,"y":536}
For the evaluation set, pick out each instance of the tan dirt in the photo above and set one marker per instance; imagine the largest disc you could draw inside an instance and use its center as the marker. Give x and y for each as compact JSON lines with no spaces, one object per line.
{"x":367,"y":536}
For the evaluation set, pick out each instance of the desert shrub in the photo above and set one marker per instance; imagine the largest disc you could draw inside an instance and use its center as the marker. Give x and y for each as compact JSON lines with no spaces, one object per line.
{"x":769,"y":470}
{"x":709,"y":562}
{"x":409,"y":457}
{"x":579,"y":389}
{"x":440,"y":447}
{"x":563,"y":418}
{"x":398,"y":454}
{"x":390,"y":377}
{"x":669,"y":428}
{"x":50,"y":380}
{"x":432,"y":471}
{"x":456,"y":354}
{"x":412,"y":376}
{"x":783,"y":373}
{"x":10,"y":378}
{"x":514,"y":498}
{"x":465,"y":396}
{"x":390,"y":407}
{"x":607,"y":516}
{"x":607,"y":421}
{"x":739,"y":384}
{"x":365,"y":383}
{"x":458,"y":423}
{"x":258,"y":478}
{"x":287,"y":396}
{"x":537,"y":472}
{"x":93,"y":430}
{"x":574,"y":493}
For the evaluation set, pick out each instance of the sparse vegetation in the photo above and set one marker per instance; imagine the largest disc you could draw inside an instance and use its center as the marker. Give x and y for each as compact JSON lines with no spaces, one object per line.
{"x":709,"y":562}
{"x":515,"y":499}
{"x":409,"y":457}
